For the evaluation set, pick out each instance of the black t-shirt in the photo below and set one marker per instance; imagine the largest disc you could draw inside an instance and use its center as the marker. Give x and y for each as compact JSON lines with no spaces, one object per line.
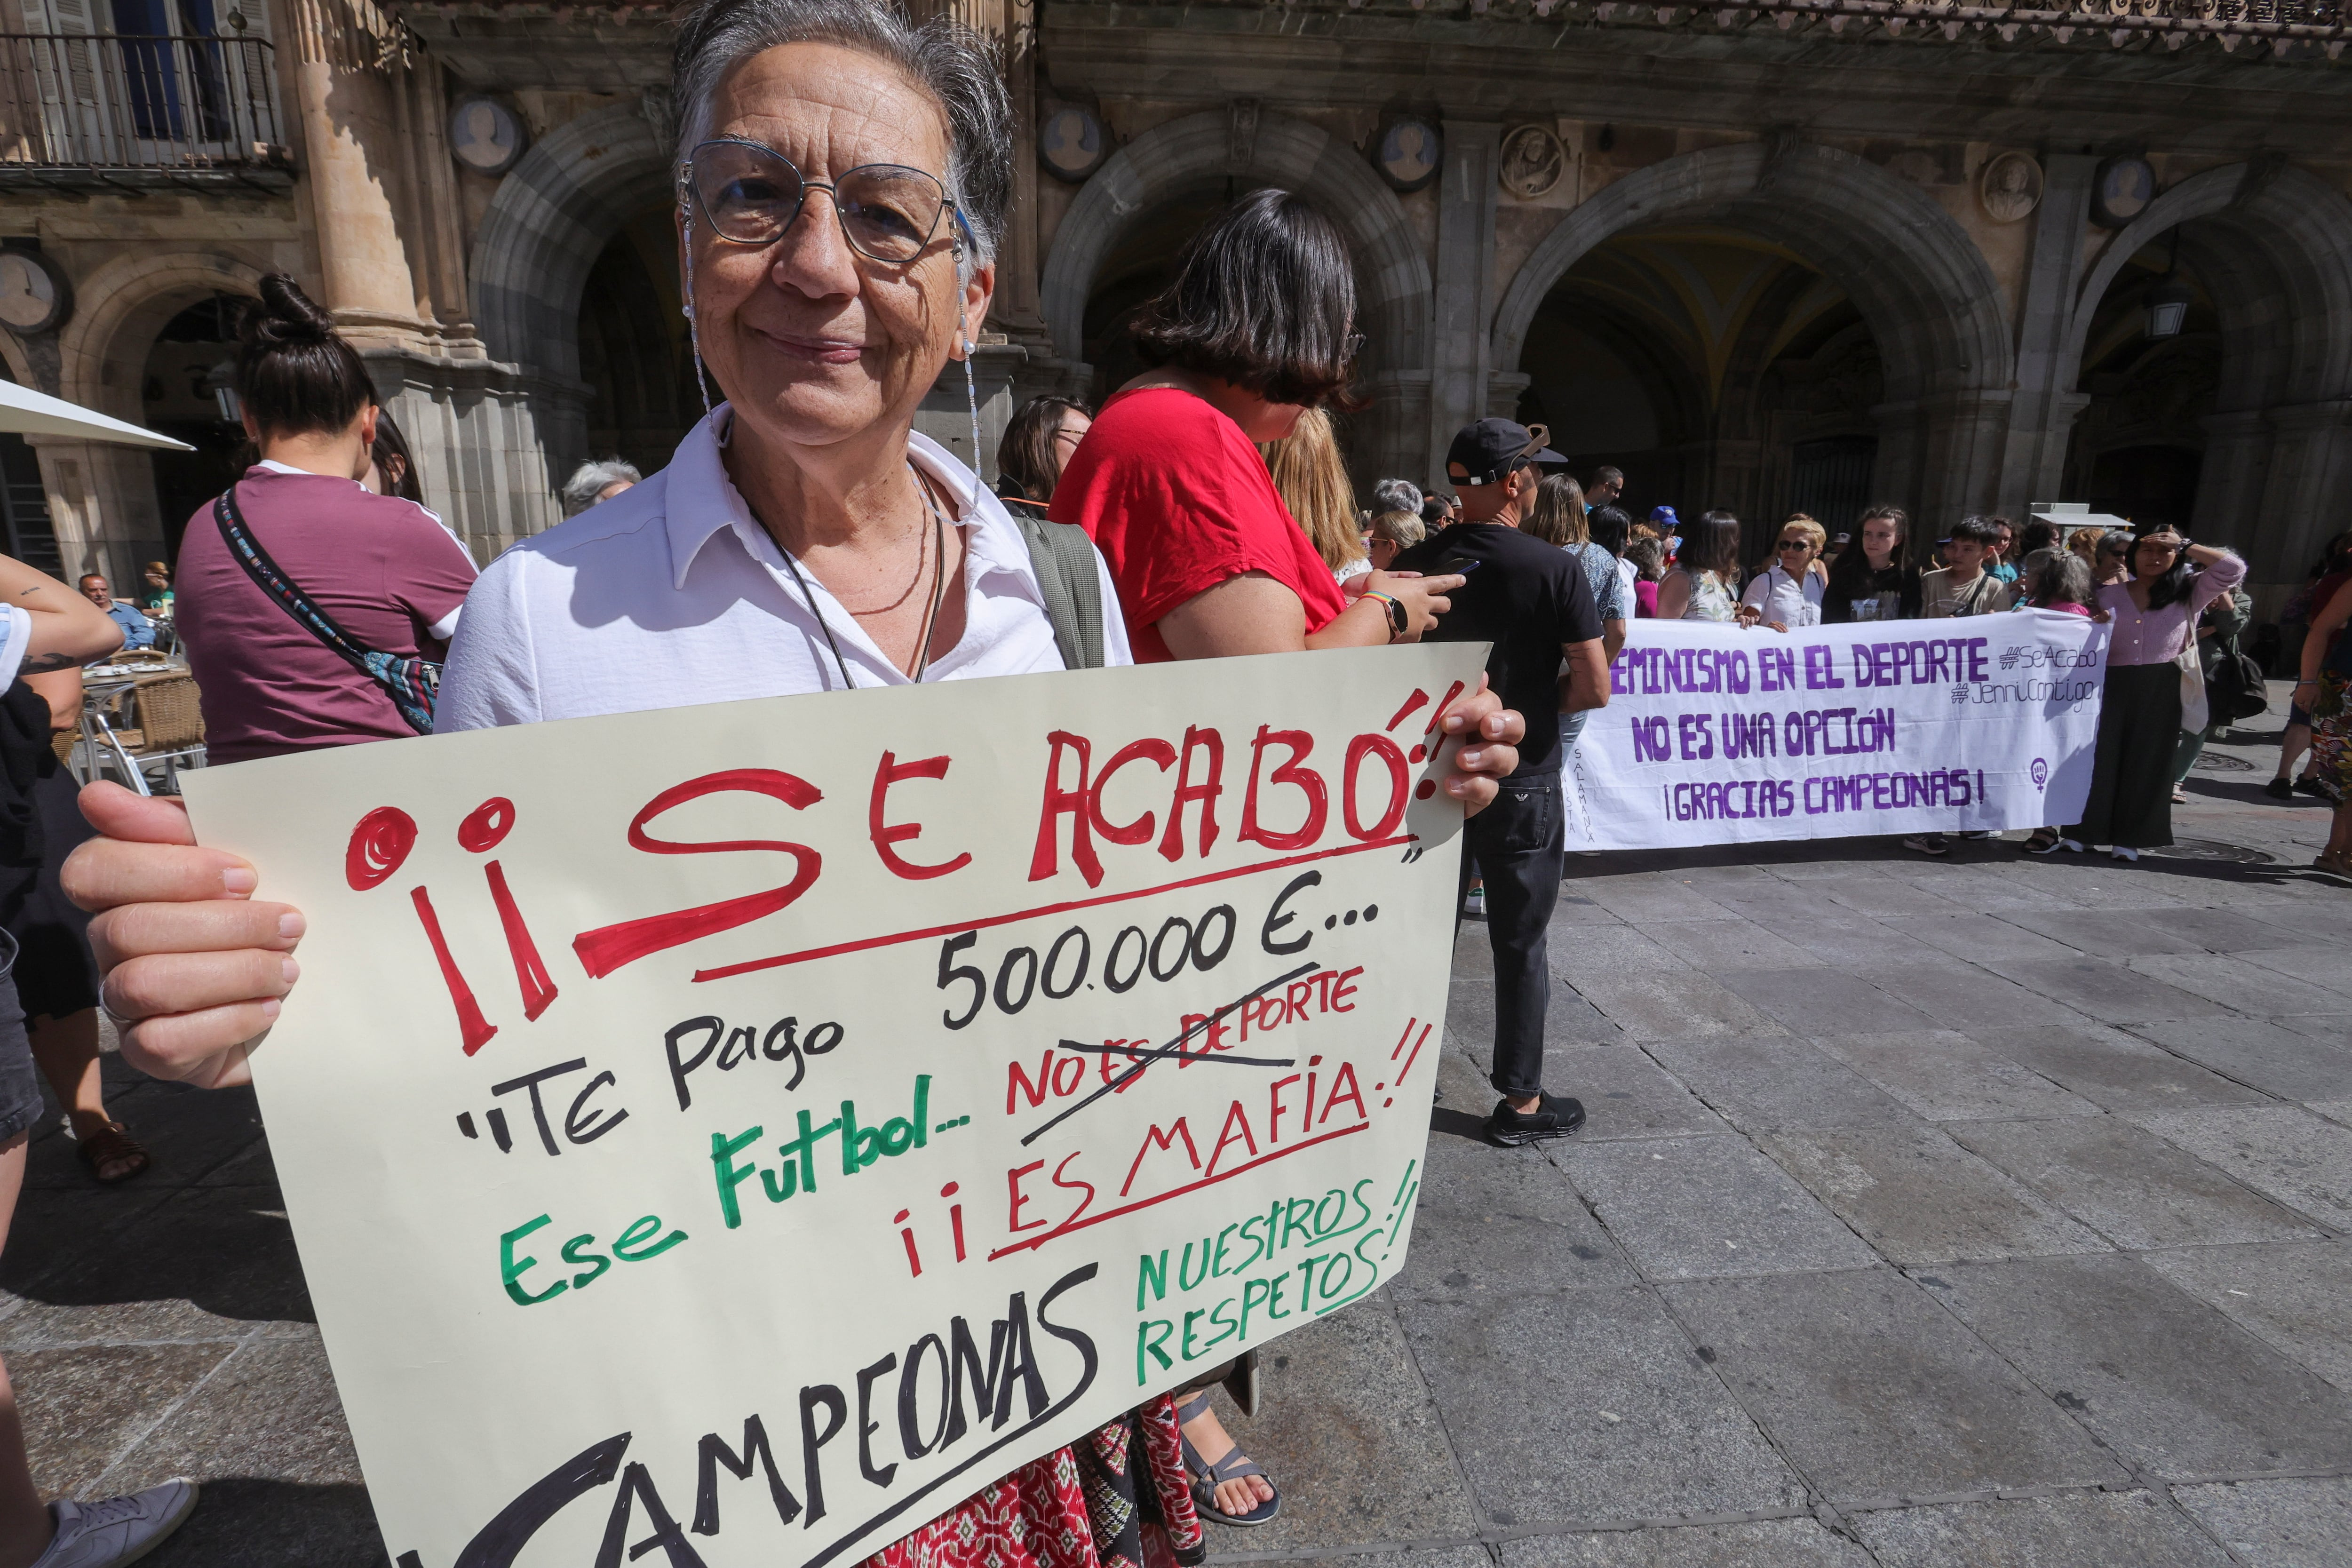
{"x":1891,"y":594}
{"x":1527,"y":598}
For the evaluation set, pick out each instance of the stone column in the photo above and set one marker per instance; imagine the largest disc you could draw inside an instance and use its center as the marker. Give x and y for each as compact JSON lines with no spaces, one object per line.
{"x":1963,"y":433}
{"x":353,"y":158}
{"x":2309,"y":473}
{"x":2045,"y":406}
{"x":1463,"y":285}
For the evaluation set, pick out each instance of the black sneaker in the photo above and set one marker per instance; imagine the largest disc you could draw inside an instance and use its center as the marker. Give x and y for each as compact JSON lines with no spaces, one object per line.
{"x":2280,"y":788}
{"x":2320,"y":788}
{"x":1556,"y":1117}
{"x":1928,"y":844}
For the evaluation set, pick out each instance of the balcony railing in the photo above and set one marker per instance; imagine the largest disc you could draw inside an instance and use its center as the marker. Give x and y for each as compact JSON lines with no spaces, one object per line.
{"x":82,"y":110}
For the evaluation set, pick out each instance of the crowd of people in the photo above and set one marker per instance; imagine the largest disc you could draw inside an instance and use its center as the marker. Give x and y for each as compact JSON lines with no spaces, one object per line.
{"x":1206,"y":510}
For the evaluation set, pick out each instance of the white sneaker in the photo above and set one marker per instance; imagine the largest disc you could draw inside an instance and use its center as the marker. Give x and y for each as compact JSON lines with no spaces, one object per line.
{"x":2125,"y":854}
{"x":1474,"y":906}
{"x":117,"y":1529}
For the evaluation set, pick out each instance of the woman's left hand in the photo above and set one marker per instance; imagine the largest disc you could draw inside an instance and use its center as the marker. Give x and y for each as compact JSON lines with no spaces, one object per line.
{"x":1490,"y":735}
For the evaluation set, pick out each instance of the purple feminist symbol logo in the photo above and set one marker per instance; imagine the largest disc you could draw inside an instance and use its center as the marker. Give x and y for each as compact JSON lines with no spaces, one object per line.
{"x":2041,"y":772}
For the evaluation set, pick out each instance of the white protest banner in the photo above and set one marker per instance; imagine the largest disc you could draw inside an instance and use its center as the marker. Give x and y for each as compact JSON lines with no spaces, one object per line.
{"x":739,"y":1133}
{"x":1717,"y":735}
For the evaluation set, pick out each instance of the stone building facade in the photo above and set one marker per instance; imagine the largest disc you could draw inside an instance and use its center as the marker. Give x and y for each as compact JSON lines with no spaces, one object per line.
{"x":1789,"y":254}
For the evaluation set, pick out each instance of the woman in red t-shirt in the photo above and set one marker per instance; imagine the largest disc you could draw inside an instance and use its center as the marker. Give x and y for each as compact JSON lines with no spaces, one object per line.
{"x":1257,"y":327}
{"x":1255,"y":330}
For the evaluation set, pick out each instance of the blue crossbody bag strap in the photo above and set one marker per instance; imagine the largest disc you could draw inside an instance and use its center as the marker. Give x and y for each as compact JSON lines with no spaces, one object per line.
{"x":411,"y":682}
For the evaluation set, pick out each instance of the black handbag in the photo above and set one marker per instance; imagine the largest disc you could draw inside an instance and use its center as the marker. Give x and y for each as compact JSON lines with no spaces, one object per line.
{"x":2233,"y":687}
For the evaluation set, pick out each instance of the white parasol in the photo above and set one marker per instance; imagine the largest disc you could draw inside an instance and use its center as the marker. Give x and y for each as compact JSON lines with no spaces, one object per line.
{"x":30,"y":413}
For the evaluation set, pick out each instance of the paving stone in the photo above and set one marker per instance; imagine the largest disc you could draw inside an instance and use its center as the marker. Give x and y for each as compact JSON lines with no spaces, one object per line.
{"x":2325,"y":1027}
{"x":2236,"y":983}
{"x":1474,"y":956}
{"x":241,"y":1523}
{"x":82,"y":1407}
{"x":1876,"y":1394}
{"x":1876,"y":895}
{"x":1671,"y":1003}
{"x":1353,"y":1438}
{"x":1767,"y":1543}
{"x":273,"y":1402}
{"x":2127,"y":933}
{"x":1612,"y":949}
{"x":1822,"y":1001}
{"x":1503,"y":1221}
{"x":2115,"y":1070}
{"x":1802,"y":909}
{"x":1918,"y":1197}
{"x":2141,"y":1529}
{"x":2277,"y":1524}
{"x":1437,"y":1557}
{"x":1575,"y":908}
{"x":1695,"y":1208}
{"x":2167,"y":1380}
{"x":1982,"y":885}
{"x":1626,"y":1095}
{"x":2287,"y":1153}
{"x":1568,"y":1018}
{"x":1850,"y":941}
{"x":2131,"y":1185}
{"x":1956,"y":995}
{"x":1605,"y":1414}
{"x":1945,"y":1076}
{"x":1979,"y":938}
{"x":2108,"y":992}
{"x":1766,"y":1084}
{"x":1645,"y":900}
{"x":1718,"y":945}
{"x":2294,"y":1296}
{"x":2328,"y":968}
{"x":2272,"y":1057}
{"x":208,"y":1263}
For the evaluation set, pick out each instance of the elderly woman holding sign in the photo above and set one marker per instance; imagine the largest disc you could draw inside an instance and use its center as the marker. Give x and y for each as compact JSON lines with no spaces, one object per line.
{"x":842,"y":179}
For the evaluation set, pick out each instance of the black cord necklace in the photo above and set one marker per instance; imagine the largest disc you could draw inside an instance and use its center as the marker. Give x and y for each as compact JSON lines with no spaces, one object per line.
{"x":939,"y":592}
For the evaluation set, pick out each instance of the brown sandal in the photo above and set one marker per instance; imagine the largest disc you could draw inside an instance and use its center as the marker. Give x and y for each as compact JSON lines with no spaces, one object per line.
{"x":112,"y":1144}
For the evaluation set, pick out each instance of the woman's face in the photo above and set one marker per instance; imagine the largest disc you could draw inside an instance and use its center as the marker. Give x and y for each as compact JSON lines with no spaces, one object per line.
{"x":2153,"y":556}
{"x":1066,"y":435}
{"x":1878,"y":541}
{"x":2111,"y":561}
{"x":813,"y":343}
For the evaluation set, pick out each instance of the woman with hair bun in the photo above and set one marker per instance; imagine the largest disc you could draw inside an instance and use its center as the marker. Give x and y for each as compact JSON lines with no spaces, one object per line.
{"x":300,"y":550}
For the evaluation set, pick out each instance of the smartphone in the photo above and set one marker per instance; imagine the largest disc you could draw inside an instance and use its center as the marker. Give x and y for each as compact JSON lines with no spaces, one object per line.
{"x":1464,"y":565}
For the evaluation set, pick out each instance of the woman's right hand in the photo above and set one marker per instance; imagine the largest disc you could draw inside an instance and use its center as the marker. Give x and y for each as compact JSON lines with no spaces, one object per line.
{"x":192,"y":966}
{"x":1424,"y":598}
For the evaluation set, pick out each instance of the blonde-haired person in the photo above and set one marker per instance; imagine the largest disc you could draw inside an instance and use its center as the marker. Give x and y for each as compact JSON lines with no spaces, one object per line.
{"x":1789,"y":592}
{"x":1559,"y":517}
{"x":1388,"y":534}
{"x":2085,"y":542}
{"x":1311,"y":478}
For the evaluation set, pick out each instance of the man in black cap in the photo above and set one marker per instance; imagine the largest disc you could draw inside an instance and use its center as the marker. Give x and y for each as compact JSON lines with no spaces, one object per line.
{"x":1532,"y":601}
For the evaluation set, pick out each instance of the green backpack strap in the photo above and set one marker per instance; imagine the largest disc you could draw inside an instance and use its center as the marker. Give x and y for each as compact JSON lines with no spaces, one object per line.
{"x":1064,"y":559}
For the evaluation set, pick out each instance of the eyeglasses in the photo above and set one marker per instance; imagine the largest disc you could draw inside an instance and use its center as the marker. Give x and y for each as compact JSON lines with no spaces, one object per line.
{"x":1794,"y":544}
{"x":750,"y":194}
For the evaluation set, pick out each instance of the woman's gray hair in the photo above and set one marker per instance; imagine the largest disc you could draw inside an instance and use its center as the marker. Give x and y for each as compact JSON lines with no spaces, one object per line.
{"x":947,"y":59}
{"x":1396,"y":495}
{"x":589,"y":481}
{"x":2057,"y":576}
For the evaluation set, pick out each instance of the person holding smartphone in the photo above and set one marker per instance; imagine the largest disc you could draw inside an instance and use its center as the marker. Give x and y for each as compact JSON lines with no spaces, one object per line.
{"x":1532,"y":601}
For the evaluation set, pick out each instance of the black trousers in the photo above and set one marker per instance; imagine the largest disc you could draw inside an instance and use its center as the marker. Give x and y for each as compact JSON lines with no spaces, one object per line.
{"x":2130,"y":803}
{"x":1520,"y":846}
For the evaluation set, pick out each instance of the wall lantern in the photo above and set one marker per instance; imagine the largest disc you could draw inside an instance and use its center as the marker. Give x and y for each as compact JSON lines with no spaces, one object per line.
{"x":2168,"y":303}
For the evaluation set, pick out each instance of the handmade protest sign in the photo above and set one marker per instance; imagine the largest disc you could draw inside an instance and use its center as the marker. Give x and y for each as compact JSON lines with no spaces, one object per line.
{"x":1717,"y":735}
{"x":736,"y":1134}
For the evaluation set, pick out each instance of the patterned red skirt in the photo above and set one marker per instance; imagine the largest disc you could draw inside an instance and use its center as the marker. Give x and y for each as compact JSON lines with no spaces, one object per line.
{"x":1116,"y":1498}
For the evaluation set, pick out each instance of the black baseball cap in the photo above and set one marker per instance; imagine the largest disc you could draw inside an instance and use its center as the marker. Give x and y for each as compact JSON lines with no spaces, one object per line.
{"x":1488,"y":450}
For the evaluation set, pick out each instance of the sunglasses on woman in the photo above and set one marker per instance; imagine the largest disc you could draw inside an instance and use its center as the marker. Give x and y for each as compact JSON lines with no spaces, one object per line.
{"x":750,"y":194}
{"x":1787,"y":544}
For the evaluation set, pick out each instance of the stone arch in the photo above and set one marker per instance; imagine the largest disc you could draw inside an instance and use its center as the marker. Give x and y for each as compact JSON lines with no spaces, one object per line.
{"x":550,"y":218}
{"x":1930,"y":298}
{"x":102,"y":351}
{"x":1169,"y":160}
{"x":1908,"y":266}
{"x":2274,"y":247}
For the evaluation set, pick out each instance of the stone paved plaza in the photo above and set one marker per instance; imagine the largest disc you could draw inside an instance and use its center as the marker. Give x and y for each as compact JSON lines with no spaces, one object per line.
{"x":1931,"y":1215}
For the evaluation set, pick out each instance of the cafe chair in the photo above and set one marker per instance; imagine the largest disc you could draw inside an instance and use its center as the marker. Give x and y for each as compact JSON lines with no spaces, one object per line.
{"x":156,"y":721}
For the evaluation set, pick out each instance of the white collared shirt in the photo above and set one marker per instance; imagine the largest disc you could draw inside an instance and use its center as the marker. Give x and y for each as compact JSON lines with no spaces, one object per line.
{"x":1788,"y":600}
{"x":671,"y":594}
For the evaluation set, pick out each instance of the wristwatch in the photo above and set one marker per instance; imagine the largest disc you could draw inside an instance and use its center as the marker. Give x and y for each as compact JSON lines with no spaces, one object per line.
{"x":1400,"y":621}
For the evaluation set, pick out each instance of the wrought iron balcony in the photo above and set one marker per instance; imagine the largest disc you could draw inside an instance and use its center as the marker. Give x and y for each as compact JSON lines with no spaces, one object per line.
{"x":92,"y":112}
